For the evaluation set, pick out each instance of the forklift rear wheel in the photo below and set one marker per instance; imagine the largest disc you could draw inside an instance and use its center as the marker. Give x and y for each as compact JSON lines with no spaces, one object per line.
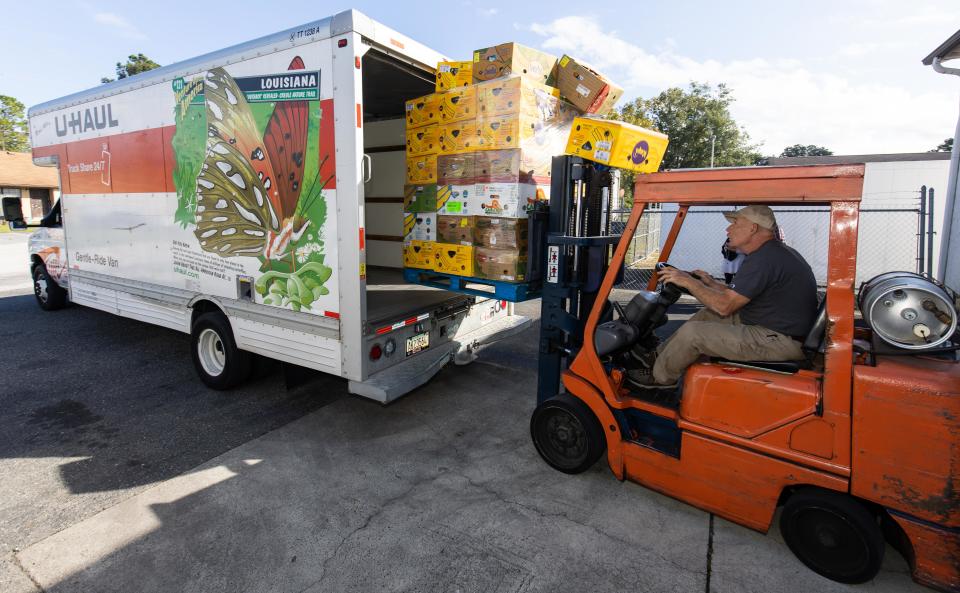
{"x":220,"y":364}
{"x":50,"y":295}
{"x":567,"y":434}
{"x":834,"y":535}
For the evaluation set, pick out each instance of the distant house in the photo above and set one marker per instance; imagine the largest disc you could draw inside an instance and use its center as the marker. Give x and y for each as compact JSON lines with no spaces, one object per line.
{"x":37,"y":187}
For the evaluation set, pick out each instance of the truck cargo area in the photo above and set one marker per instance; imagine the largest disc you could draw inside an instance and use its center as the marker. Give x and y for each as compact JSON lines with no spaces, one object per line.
{"x":388,"y":83}
{"x":390,"y":297}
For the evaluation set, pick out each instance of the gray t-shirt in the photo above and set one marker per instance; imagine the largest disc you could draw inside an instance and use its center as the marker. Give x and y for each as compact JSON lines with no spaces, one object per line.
{"x":781,"y":288}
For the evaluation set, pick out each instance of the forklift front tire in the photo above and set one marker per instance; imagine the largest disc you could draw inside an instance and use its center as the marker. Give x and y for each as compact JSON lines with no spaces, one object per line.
{"x":833,"y":534}
{"x":567,"y":434}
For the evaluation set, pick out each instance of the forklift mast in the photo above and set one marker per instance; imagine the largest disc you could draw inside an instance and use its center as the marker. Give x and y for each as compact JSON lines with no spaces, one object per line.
{"x":577,"y":257}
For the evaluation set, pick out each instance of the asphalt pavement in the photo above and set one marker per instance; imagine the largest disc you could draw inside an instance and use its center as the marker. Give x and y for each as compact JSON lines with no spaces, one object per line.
{"x":120,"y":471}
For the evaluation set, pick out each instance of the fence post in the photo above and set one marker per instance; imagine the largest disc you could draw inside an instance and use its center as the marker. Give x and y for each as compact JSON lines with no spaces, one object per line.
{"x":930,"y":234}
{"x":922,"y":233}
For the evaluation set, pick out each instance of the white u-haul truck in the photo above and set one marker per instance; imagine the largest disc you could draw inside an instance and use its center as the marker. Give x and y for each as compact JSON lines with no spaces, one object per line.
{"x":252,"y":197}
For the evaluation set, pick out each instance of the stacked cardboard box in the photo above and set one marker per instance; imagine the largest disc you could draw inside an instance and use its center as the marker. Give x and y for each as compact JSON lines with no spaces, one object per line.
{"x":585,"y":88}
{"x":479,"y":152}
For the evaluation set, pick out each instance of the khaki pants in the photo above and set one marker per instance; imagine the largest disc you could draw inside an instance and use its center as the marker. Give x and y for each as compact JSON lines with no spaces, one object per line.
{"x":726,"y":337}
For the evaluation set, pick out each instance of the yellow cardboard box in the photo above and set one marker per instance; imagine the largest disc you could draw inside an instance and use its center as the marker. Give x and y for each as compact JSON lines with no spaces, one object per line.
{"x":617,"y":144}
{"x":451,"y":75}
{"x":455,"y":229}
{"x":424,"y":140}
{"x":453,"y":259}
{"x":512,"y":58}
{"x":457,"y":104}
{"x":422,"y":169}
{"x":504,"y":131}
{"x":526,"y":131}
{"x":458,"y":137}
{"x":516,"y":95}
{"x":418,"y":254}
{"x":423,"y":111}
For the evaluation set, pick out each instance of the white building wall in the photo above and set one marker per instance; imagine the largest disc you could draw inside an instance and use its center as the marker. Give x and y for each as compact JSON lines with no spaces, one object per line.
{"x":887,"y":240}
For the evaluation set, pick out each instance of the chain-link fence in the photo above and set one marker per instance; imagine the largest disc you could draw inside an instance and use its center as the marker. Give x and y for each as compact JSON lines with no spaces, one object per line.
{"x":887,"y":240}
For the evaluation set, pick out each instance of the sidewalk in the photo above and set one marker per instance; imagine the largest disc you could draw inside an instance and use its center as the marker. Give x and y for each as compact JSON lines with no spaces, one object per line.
{"x":14,"y":264}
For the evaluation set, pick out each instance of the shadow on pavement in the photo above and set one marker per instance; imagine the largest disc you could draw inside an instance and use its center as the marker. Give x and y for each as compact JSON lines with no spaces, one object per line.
{"x":123,"y":397}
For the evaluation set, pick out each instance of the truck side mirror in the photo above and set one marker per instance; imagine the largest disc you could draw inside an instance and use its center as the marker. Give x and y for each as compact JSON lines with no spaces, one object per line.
{"x":13,"y":214}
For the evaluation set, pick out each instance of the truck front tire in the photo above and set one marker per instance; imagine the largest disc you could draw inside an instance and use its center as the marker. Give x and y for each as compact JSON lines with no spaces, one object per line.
{"x":220,"y":364}
{"x":50,"y":295}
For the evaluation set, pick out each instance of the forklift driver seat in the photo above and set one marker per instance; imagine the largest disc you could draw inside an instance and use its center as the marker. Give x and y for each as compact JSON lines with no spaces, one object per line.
{"x":812,"y":345}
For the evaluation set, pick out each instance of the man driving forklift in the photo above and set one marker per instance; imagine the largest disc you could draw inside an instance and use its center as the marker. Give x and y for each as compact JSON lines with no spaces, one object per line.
{"x":764,"y":315}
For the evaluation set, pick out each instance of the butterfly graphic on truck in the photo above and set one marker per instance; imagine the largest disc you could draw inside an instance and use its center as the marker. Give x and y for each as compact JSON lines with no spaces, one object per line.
{"x":255,"y":194}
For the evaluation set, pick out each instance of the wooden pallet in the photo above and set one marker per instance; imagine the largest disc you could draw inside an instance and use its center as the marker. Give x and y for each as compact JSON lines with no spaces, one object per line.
{"x":481,"y":287}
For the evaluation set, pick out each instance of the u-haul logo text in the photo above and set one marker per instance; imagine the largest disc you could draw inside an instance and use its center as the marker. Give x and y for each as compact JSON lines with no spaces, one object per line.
{"x":85,"y":120}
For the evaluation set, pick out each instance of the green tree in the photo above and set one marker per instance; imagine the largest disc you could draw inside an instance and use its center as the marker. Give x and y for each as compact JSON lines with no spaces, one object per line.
{"x":136,"y":63}
{"x":13,"y":125}
{"x":806,"y":150}
{"x":945,"y":146}
{"x":696,"y":120}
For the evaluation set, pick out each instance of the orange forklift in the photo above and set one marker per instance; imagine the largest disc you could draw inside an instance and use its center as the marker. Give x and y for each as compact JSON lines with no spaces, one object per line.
{"x":859,"y":443}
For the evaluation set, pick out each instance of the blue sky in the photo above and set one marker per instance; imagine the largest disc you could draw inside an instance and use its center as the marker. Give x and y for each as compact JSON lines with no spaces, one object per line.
{"x":846,"y":75}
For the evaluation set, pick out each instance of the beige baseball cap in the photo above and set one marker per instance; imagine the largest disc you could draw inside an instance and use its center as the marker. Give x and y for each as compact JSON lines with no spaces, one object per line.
{"x":759,"y":215}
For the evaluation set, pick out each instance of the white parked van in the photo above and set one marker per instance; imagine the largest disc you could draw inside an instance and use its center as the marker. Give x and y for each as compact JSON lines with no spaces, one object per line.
{"x":253,"y":197}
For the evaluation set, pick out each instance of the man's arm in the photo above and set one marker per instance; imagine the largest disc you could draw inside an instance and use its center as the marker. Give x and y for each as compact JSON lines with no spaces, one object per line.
{"x":718,"y":299}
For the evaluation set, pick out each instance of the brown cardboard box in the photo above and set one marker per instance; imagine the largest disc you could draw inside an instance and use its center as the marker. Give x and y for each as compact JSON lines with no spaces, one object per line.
{"x":455,"y":229}
{"x":423,"y":111}
{"x":515,"y":165}
{"x":505,"y":265}
{"x":585,"y":88}
{"x":418,"y":254}
{"x":453,"y":259}
{"x":512,"y":58}
{"x":500,"y":233}
{"x":456,"y":169}
{"x":451,"y":75}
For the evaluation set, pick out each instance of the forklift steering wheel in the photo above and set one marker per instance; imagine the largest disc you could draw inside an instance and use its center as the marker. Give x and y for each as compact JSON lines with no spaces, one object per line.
{"x":664,"y":265}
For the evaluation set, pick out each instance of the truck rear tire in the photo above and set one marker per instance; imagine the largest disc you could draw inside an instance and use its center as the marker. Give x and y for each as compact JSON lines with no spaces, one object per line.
{"x":220,"y":364}
{"x":567,"y":434}
{"x":833,"y":534}
{"x":50,"y":295}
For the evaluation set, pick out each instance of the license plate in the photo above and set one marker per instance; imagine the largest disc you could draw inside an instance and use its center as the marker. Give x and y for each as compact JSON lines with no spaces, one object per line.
{"x":418,"y":343}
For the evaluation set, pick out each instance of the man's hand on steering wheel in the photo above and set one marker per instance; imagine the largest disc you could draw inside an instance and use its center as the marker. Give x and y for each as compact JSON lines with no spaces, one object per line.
{"x":678,"y":278}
